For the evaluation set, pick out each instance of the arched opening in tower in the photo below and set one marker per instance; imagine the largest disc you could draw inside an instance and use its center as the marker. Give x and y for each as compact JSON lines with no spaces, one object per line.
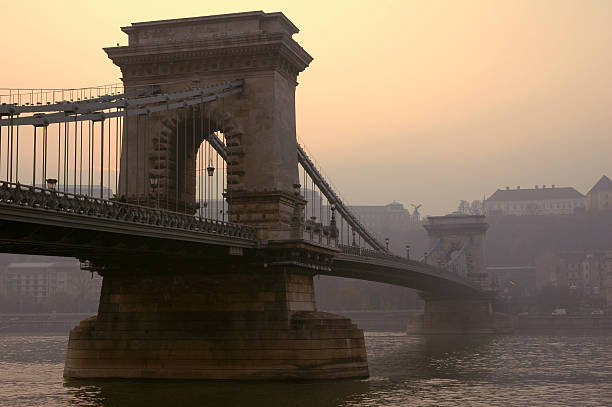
{"x":187,"y":164}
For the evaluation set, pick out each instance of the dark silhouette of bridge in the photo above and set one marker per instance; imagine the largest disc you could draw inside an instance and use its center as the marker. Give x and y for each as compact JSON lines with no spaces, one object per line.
{"x":206,"y":114}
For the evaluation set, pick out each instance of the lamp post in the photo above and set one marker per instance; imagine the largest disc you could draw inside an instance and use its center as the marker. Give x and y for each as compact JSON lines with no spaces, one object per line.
{"x":154,"y":184}
{"x":51,"y":183}
{"x":210,"y":170}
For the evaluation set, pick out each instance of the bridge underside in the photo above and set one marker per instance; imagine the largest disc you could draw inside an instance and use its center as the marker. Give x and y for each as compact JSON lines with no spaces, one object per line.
{"x":41,"y":232}
{"x":411,"y":274}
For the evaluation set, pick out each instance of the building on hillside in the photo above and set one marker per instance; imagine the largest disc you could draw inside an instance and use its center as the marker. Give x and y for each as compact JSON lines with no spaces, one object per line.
{"x":584,"y":273}
{"x":536,"y":201}
{"x":41,"y":280}
{"x":551,"y":270}
{"x":393,"y":215}
{"x":599,"y":198}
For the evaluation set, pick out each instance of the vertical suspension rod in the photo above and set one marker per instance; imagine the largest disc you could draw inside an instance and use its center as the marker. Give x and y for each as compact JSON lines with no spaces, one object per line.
{"x":45,"y":145}
{"x":146,"y":183}
{"x":81,"y":161}
{"x":185,"y":164}
{"x":137,"y":158}
{"x":76,"y":135}
{"x":102,"y":159}
{"x":34,"y":160}
{"x":176,"y":169}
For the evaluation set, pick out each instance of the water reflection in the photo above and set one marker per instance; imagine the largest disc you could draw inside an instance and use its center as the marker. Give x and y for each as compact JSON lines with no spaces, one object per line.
{"x":204,"y":393}
{"x":397,"y":361}
{"x":517,"y":370}
{"x":398,"y":355}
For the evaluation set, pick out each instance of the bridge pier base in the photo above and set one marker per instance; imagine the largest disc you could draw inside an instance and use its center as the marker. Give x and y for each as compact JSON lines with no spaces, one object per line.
{"x":448,"y":315}
{"x":239,"y":325}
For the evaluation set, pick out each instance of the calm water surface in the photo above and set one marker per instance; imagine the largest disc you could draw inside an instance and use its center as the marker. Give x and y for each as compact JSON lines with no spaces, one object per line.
{"x":516,"y":370}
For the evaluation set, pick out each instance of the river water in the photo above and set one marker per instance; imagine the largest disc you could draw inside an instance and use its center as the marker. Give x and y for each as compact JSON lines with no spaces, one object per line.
{"x":514,"y":370}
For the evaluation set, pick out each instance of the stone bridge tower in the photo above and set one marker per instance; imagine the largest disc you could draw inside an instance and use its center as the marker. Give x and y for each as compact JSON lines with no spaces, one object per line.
{"x":463,"y":235}
{"x":460,"y":237}
{"x":229,"y":314}
{"x":259,"y":123}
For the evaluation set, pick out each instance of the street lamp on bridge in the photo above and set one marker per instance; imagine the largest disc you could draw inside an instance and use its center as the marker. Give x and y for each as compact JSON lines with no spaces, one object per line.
{"x":154,"y":185}
{"x":51,"y":183}
{"x":210,"y":169}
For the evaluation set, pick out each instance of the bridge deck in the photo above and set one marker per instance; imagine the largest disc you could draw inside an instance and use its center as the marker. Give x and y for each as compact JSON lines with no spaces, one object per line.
{"x":42,"y":221}
{"x":411,"y":274}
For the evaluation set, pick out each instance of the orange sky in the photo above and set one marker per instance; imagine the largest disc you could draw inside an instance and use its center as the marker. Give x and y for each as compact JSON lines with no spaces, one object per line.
{"x":428,"y":101}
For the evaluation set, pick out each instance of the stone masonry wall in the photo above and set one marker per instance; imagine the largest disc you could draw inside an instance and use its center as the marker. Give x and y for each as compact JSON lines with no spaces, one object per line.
{"x":255,"y":325}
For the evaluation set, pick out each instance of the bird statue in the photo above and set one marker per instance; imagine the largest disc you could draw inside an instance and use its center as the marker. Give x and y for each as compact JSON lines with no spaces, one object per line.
{"x":416,"y":215}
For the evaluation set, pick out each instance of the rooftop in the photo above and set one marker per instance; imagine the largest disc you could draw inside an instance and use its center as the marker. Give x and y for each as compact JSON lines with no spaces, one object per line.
{"x":392,"y":207}
{"x":535,"y":194}
{"x":604,"y":184}
{"x":206,"y":27}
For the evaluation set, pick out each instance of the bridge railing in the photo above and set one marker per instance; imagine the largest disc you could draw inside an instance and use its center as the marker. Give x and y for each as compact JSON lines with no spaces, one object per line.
{"x":432,"y":270}
{"x":362,"y":251}
{"x":319,"y":233}
{"x":52,"y":200}
{"x":332,"y":197}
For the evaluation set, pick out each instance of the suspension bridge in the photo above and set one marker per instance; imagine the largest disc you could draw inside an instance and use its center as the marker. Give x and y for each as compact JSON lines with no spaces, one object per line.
{"x":186,"y":189}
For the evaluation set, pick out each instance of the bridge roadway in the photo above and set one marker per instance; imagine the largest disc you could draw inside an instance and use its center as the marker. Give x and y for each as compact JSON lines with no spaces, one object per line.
{"x":41,"y":221}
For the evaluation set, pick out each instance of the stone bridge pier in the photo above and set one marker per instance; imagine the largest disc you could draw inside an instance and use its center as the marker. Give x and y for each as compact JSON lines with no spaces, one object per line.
{"x":457,"y":244}
{"x":235,"y":313}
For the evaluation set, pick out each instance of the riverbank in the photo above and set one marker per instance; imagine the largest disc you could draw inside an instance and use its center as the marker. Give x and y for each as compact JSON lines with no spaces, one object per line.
{"x":399,"y":321}
{"x":565,"y":322}
{"x":371,"y":321}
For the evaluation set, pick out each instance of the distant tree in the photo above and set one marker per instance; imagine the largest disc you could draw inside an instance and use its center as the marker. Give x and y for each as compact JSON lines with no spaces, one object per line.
{"x":464,"y":207}
{"x":476,"y":208}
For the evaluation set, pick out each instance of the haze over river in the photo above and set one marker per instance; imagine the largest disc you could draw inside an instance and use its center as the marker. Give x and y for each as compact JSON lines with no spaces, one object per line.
{"x":516,"y":370}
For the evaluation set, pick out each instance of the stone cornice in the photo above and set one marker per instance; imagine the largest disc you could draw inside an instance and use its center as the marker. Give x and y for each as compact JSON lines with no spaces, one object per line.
{"x":250,"y":52}
{"x":288,"y":26}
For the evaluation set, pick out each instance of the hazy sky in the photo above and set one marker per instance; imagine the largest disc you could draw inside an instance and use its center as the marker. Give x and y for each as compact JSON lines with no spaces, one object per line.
{"x":416,"y":101}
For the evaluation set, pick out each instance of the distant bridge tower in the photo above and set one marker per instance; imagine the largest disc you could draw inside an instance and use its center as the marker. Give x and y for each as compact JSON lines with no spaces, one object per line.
{"x":457,"y":243}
